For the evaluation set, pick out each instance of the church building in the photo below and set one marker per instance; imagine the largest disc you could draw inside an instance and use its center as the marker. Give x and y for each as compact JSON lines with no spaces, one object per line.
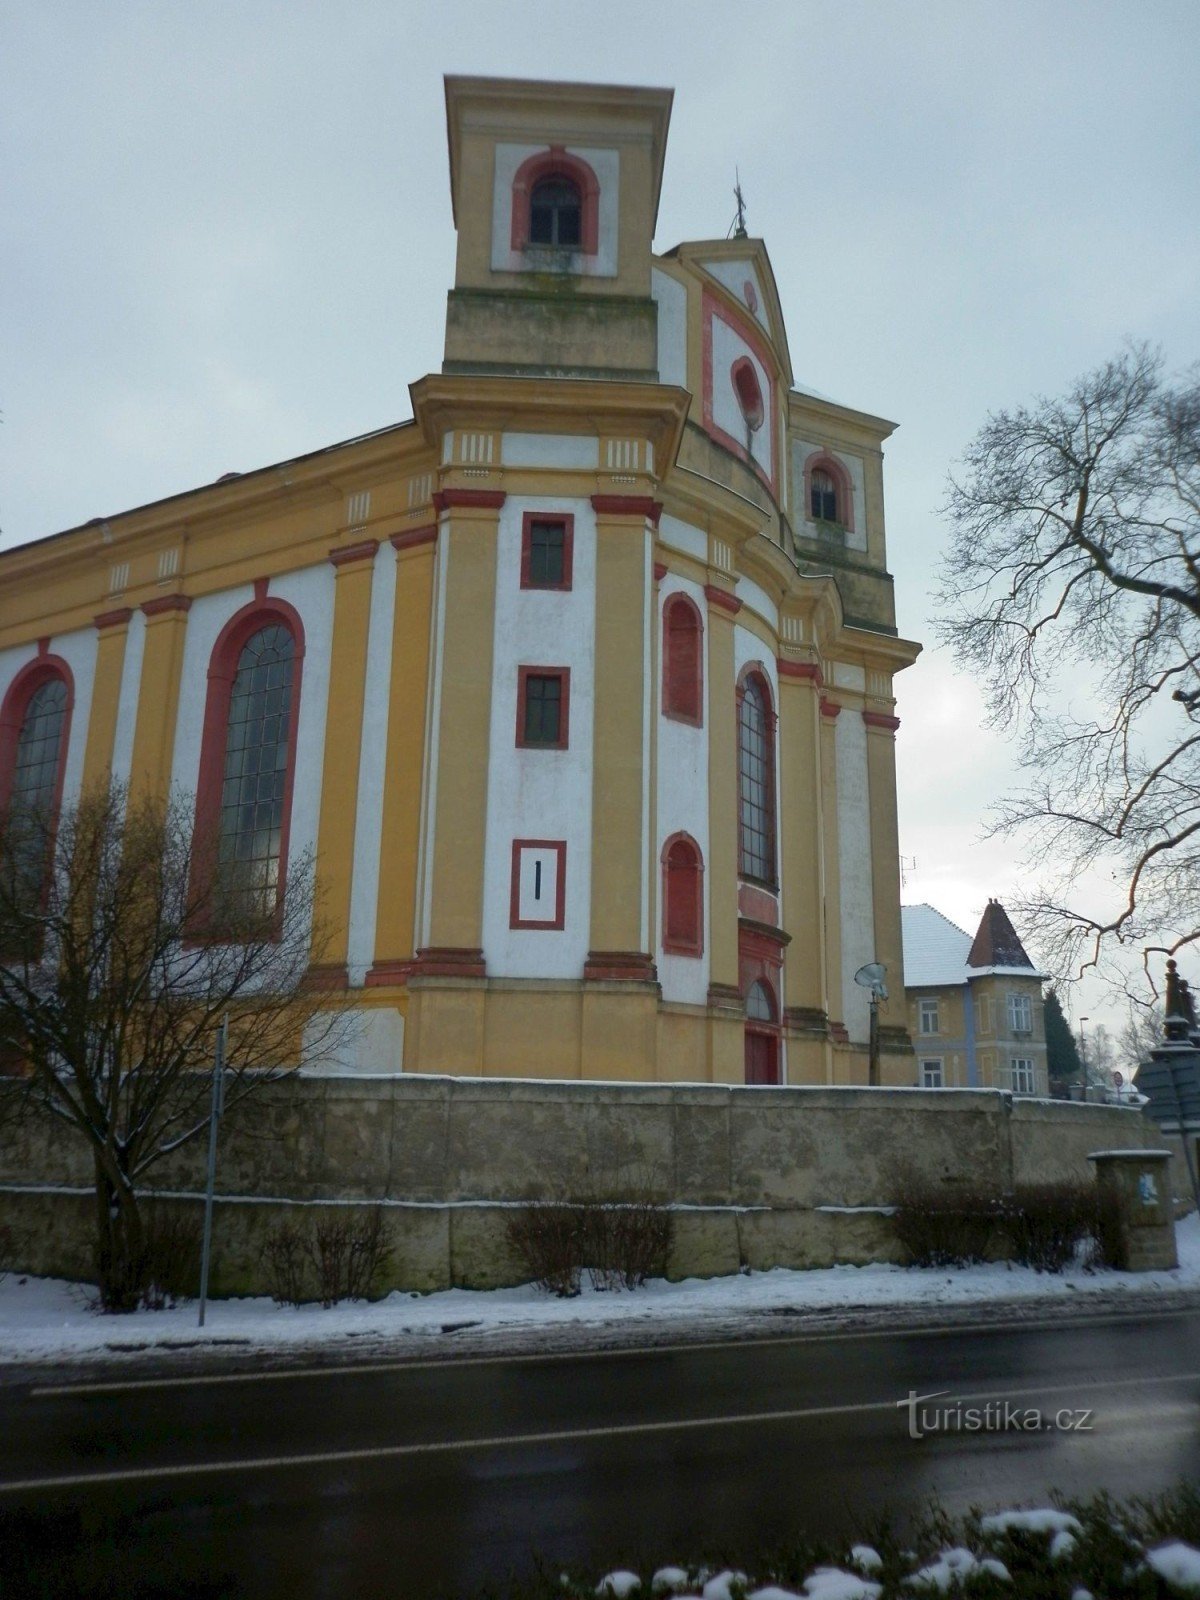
{"x":578,"y":685}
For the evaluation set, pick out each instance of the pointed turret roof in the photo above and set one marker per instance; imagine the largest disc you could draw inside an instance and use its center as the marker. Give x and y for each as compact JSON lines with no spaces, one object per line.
{"x":996,"y":943}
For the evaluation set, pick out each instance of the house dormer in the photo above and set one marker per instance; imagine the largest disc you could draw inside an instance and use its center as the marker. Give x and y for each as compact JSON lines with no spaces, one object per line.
{"x":555,"y":193}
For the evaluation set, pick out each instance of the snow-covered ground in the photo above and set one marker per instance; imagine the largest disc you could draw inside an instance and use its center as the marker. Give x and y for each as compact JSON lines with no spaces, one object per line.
{"x":46,"y":1319}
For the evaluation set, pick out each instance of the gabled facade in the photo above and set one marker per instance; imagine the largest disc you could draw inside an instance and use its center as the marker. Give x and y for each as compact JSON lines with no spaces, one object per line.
{"x":974,"y":1005}
{"x":579,"y":684}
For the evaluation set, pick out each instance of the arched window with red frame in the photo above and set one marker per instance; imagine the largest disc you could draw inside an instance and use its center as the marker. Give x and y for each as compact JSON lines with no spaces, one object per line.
{"x":556,"y":203}
{"x":762,"y":1034}
{"x":682,"y":896}
{"x":248,"y":758}
{"x":35,"y":730}
{"x":683,"y":661}
{"x":756,"y":780}
{"x":749,"y":392}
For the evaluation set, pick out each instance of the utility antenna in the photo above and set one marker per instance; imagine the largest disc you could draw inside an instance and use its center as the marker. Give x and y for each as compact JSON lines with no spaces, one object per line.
{"x":739,"y":222}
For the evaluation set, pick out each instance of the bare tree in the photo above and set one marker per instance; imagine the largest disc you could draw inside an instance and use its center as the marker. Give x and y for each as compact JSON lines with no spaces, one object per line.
{"x":1071,"y":591}
{"x":126,"y":942}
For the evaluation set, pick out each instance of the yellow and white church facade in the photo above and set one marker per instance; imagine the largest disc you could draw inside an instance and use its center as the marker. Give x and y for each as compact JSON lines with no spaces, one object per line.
{"x":578,"y":685}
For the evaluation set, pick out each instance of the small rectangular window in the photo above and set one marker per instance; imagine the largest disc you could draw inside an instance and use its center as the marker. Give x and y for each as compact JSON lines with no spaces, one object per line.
{"x":547,"y":542}
{"x":543,"y":704}
{"x":539,"y":876}
{"x":931,"y":1073}
{"x":1022,"y":1076}
{"x":928,"y":1022}
{"x":1020,"y":1013}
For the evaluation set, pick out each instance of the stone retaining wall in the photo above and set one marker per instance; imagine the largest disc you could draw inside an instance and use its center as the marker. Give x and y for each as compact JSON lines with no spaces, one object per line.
{"x":758,"y":1176}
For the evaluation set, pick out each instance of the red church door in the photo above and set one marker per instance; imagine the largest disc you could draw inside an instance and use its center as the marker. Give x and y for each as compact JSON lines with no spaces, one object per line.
{"x":762,"y":1038}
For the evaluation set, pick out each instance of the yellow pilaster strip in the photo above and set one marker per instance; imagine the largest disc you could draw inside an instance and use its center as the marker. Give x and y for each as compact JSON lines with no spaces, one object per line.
{"x":355,"y":566}
{"x":885,"y":863}
{"x":456,"y":911}
{"x":833,"y":868}
{"x":618,"y":947}
{"x":158,"y":695}
{"x":800,"y":782}
{"x":112,"y":629}
{"x":726,"y":1013}
{"x":396,"y":911}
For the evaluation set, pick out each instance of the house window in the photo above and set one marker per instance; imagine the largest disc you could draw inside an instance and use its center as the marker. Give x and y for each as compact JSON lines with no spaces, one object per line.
{"x":543,"y":702}
{"x":248,"y":760}
{"x":756,"y":781}
{"x":928,"y":1021}
{"x":547,"y":546}
{"x":1020,"y":1013}
{"x":34,"y":727}
{"x":683,"y":673}
{"x":556,"y":213}
{"x":682,"y":896}
{"x":1022,"y":1075}
{"x":828,"y":492}
{"x":931,"y":1073}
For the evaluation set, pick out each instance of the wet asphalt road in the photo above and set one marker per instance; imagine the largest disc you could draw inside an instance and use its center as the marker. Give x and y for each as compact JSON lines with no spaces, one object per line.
{"x":422,"y":1479}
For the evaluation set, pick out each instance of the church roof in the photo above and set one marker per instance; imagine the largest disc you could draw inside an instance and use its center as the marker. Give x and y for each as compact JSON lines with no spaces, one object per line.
{"x":939,"y":954}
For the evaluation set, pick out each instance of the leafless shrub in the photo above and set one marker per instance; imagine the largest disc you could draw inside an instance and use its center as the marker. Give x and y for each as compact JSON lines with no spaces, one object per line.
{"x":627,"y":1244}
{"x":1046,"y":1223}
{"x":172,"y":1255}
{"x":548,"y":1241}
{"x":943,"y":1226}
{"x":7,"y":1250}
{"x":285,"y":1257}
{"x":621,"y":1244}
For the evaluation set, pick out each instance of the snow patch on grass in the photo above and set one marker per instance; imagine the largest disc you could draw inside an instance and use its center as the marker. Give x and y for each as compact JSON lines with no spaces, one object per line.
{"x":1178,"y":1564}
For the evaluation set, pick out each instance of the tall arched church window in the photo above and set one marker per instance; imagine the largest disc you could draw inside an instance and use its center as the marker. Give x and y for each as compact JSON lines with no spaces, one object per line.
{"x":683,"y":896}
{"x":556,"y":212}
{"x":756,"y":781}
{"x":683,"y":671}
{"x":248,"y":759}
{"x":34,"y":727}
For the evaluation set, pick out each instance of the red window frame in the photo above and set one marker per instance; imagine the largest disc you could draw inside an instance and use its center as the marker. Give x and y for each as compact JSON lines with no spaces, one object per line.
{"x":556,"y":163}
{"x":683,"y":676}
{"x":222,"y":672}
{"x":566,"y":520}
{"x":749,"y":392}
{"x":682,"y":896}
{"x":756,"y":676}
{"x":13,"y":712}
{"x":563,"y":674}
{"x":558,"y":921}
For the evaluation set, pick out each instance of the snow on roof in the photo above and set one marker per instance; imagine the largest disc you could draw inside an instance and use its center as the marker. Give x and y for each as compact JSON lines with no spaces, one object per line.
{"x":936,"y":951}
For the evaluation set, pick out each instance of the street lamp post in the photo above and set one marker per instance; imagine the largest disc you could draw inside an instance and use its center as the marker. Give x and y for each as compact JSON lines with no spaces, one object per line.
{"x":1083,"y":1058}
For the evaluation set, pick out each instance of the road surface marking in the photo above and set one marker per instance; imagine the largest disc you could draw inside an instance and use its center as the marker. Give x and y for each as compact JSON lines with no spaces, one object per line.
{"x":450,"y":1362}
{"x":322,"y":1458}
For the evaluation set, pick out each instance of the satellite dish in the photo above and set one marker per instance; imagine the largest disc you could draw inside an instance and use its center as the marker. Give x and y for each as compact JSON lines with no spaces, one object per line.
{"x":872,"y":977}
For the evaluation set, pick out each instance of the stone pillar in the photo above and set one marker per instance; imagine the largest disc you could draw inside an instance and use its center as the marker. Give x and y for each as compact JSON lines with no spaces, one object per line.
{"x":1137,"y":1208}
{"x":620,"y":1001}
{"x":112,"y":628}
{"x":726,"y":1010}
{"x":800,"y":839}
{"x":412,"y":625}
{"x":354,"y":566}
{"x":158,"y":695}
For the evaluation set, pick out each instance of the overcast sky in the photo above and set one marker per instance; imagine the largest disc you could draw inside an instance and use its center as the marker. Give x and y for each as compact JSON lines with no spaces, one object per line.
{"x":225,"y":239}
